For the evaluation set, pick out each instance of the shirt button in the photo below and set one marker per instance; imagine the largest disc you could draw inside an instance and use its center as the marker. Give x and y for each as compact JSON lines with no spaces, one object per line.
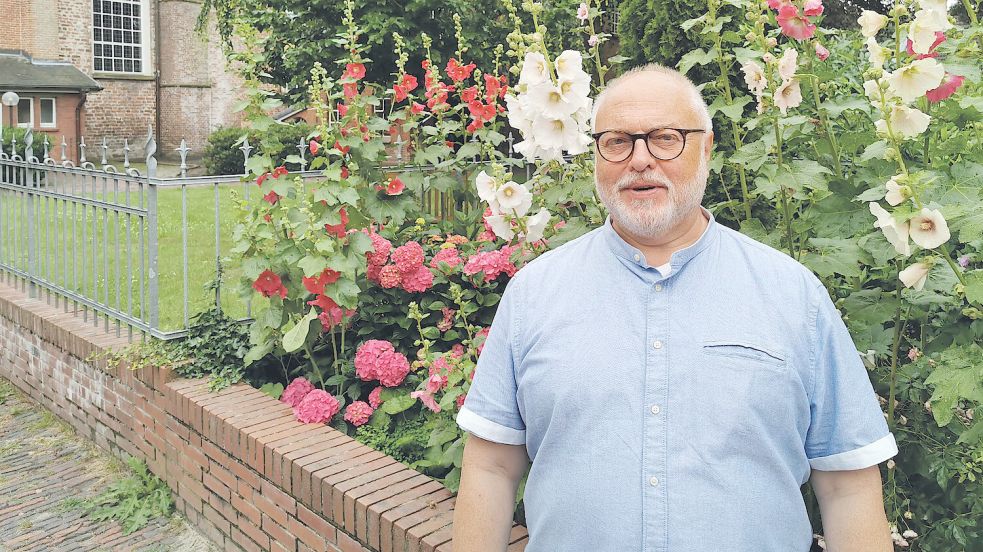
{"x":656,"y":409}
{"x":658,"y":287}
{"x":637,"y":257}
{"x":657,"y":344}
{"x":654,"y":481}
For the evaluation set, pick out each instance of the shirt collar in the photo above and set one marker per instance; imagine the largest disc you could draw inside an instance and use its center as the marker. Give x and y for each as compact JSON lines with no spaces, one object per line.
{"x":634,"y":256}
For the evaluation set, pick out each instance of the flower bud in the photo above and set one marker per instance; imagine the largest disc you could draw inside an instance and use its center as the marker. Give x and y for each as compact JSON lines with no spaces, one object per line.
{"x":908,"y":515}
{"x":768,"y":58}
{"x":899,"y":10}
{"x":972,"y":313}
{"x":749,"y":37}
{"x":772,"y":42}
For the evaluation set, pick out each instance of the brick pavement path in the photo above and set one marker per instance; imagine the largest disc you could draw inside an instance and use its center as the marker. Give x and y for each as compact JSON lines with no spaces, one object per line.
{"x":42,"y":463}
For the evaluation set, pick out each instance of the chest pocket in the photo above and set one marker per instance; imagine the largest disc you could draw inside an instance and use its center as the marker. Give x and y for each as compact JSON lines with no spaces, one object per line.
{"x":747,"y":388}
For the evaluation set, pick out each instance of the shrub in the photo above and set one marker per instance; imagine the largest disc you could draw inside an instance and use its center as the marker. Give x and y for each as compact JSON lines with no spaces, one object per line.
{"x":223,"y":156}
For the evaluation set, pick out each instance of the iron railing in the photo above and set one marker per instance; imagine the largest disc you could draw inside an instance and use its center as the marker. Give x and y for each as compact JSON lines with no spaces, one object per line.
{"x":102,"y":242}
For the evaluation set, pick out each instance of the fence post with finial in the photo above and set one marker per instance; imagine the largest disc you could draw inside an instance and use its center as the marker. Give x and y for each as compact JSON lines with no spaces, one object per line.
{"x":183,"y":152}
{"x":303,"y":149}
{"x":152,"y":281}
{"x":29,"y":186}
{"x":245,"y":148}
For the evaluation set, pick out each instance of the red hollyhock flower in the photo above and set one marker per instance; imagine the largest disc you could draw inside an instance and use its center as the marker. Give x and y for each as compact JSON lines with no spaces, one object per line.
{"x":425,"y":64}
{"x":939,"y":39}
{"x":342,"y":109}
{"x":262,"y":177}
{"x":354,"y":71}
{"x":343,"y":149}
{"x":410,"y":83}
{"x":316,"y":284}
{"x":474,"y":126}
{"x":350,"y":90}
{"x":271,"y":197}
{"x":323,"y":302}
{"x":280,"y":171}
{"x":794,"y":25}
{"x":395,"y":187}
{"x":458,"y":72}
{"x":399,"y":92}
{"x":417,"y":108}
{"x":344,"y":172}
{"x":314,"y":147}
{"x":949,"y":85}
{"x":338,"y":229}
{"x":470,"y":94}
{"x":267,"y":217}
{"x":269,"y":284}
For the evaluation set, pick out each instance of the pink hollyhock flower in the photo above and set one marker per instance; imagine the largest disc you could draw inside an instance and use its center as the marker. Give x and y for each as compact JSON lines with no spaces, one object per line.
{"x":448,"y":321}
{"x":395,"y":187}
{"x":457,"y":351}
{"x":449,"y":256}
{"x":794,"y":25}
{"x":593,"y":40}
{"x":963,"y":261}
{"x":280,"y":171}
{"x":777,"y":4}
{"x":296,"y":391}
{"x":269,"y":284}
{"x":416,"y":108}
{"x":812,"y":8}
{"x":389,"y":276}
{"x":380,"y":249}
{"x":583,"y":12}
{"x":914,"y":353}
{"x":949,"y":85}
{"x":354,"y":71}
{"x":271,"y":197}
{"x":375,"y":397}
{"x":334,"y":316}
{"x":358,"y":413}
{"x":399,"y":93}
{"x":408,"y":257}
{"x":317,"y":407}
{"x":436,"y":382}
{"x":314,"y":147}
{"x":821,"y":52}
{"x":459,"y":401}
{"x":426,"y":399}
{"x":262,"y":177}
{"x":417,"y":281}
{"x":440,"y":366}
{"x":469,"y":94}
{"x":458,"y":72}
{"x":409,"y":82}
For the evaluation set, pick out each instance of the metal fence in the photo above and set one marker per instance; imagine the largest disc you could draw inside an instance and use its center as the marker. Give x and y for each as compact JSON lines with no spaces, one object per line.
{"x":106,"y":244}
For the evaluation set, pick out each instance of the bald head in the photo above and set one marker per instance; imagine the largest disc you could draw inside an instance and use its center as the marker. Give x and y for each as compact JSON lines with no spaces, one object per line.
{"x":659,"y":81}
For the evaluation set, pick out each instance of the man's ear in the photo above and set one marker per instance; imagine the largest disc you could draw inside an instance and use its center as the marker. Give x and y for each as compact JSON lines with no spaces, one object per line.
{"x":708,"y":146}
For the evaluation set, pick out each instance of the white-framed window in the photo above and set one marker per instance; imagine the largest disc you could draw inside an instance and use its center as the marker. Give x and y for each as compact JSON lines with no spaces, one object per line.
{"x":119,"y":36}
{"x":25,"y":112}
{"x":48,"y":116}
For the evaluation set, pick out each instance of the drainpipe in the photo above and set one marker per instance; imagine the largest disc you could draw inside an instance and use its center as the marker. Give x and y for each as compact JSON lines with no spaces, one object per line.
{"x":157,"y":132}
{"x":78,"y":122}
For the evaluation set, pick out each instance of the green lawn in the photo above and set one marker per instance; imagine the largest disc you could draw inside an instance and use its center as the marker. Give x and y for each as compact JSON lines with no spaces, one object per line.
{"x":67,"y":247}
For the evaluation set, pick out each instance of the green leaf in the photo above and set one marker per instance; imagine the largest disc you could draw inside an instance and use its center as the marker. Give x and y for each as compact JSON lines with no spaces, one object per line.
{"x":802,"y":175}
{"x":443,"y":434}
{"x":696,"y":57}
{"x":295,"y":338}
{"x":615,"y":60}
{"x":313,"y":265}
{"x":751,"y":156}
{"x":272,"y":389}
{"x":869,"y":307}
{"x":431,"y":332}
{"x":974,"y":287}
{"x":398,"y":404}
{"x":877,"y":150}
{"x":834,"y":256}
{"x":958,"y":375}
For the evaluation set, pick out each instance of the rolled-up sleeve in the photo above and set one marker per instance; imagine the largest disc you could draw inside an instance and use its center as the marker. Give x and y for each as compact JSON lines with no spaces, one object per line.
{"x":491,"y":410}
{"x":847,"y":429}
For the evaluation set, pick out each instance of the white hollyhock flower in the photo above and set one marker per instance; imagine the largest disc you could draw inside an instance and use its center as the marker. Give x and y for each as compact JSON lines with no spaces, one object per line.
{"x":570,"y":65}
{"x":876,"y":52}
{"x":896,"y":193}
{"x":788,"y":64}
{"x":547,"y":99}
{"x":929,"y":229}
{"x":519,"y":117}
{"x":754,"y":77}
{"x":871,"y":22}
{"x":915,"y":275}
{"x":486,"y":186}
{"x":922,"y":30}
{"x":907,"y":122}
{"x":575,"y":89}
{"x":533,"y":151}
{"x":501,"y":225}
{"x":896,"y":234}
{"x":534,"y":69}
{"x":909,"y":534}
{"x":937,"y":5}
{"x":558,"y":132}
{"x":536,"y":225}
{"x":788,"y":95}
{"x":514,"y":199}
{"x":912,"y":81}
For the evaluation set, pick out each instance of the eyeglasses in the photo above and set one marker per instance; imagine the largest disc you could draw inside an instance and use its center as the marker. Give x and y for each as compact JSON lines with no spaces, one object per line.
{"x":664,"y":144}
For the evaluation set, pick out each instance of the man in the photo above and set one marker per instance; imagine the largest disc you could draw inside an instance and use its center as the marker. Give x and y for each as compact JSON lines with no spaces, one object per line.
{"x":673,"y":381}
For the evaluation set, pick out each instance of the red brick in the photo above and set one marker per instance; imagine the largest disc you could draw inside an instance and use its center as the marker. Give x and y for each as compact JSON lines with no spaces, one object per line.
{"x":279,"y":534}
{"x":371,"y":471}
{"x":269,"y":508}
{"x":402,"y":524}
{"x":255,"y":533}
{"x":246,"y":508}
{"x":411,"y":498}
{"x":317,"y":523}
{"x":286,"y":502}
{"x":307,"y":535}
{"x":348,"y":544}
{"x":354,"y":510}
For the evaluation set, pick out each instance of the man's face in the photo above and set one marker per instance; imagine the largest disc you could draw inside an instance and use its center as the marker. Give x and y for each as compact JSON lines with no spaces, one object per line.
{"x":646,"y":196}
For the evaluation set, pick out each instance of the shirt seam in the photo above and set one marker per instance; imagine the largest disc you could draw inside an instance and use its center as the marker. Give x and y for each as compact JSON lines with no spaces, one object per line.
{"x":814,"y":339}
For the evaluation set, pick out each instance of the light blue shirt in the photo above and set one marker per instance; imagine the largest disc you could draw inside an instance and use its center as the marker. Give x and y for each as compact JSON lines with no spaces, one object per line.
{"x":675,"y":412}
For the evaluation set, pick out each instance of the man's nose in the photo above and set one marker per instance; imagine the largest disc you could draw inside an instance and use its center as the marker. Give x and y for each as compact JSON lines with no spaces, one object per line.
{"x":641,"y":159}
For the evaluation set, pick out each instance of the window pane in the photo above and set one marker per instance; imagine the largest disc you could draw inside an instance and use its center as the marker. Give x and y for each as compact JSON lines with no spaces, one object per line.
{"x":137,"y":66}
{"x":98,"y":64}
{"x":47,"y":111}
{"x":128,"y":66}
{"x":24,"y":111}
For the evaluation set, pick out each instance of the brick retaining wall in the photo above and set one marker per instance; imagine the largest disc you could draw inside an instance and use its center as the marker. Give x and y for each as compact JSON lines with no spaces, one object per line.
{"x":239,"y":466}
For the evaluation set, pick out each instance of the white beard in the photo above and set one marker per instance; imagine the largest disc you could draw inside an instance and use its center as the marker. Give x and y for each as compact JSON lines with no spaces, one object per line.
{"x":651,"y":219}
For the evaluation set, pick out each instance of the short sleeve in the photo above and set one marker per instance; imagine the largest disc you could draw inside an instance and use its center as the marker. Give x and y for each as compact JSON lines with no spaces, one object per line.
{"x":847,"y":429}
{"x":491,"y":410}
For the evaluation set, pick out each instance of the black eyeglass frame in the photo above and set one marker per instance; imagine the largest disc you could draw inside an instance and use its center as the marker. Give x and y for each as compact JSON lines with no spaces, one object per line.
{"x":644,"y":137}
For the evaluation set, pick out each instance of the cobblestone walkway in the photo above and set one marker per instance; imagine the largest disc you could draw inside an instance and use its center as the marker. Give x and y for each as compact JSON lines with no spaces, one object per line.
{"x":43,"y":463}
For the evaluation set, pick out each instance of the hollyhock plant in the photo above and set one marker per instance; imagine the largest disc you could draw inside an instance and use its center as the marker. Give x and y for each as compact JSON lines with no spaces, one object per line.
{"x":929,"y":229}
{"x":788,"y":95}
{"x":317,"y":407}
{"x":338,"y":230}
{"x":896,"y":233}
{"x":272,"y":198}
{"x":871,"y":23}
{"x":821,"y":52}
{"x":358,"y":413}
{"x":395,"y":187}
{"x":906,"y":122}
{"x":793,"y":24}
{"x":788,"y":64}
{"x":896,"y":193}
{"x":912,"y":81}
{"x":296,"y":391}
{"x":269,"y":284}
{"x":915,"y":275}
{"x":924,"y":29}
{"x":427,"y":400}
{"x":316,"y":284}
{"x":813,"y":8}
{"x":939,"y":39}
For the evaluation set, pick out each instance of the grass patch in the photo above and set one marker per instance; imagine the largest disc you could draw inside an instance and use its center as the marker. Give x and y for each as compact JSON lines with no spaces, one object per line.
{"x":6,"y":391}
{"x":134,"y":500}
{"x":79,"y":249}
